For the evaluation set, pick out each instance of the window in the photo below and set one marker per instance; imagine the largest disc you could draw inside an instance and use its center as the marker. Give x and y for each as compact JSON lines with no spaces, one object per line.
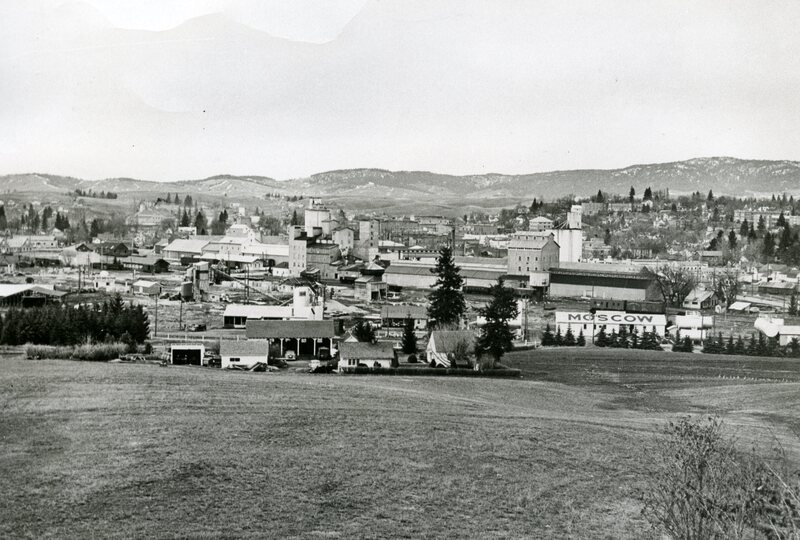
{"x":234,"y":359}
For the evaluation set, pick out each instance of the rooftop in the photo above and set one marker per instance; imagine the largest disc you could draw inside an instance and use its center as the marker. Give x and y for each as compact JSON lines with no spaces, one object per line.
{"x":289,"y":329}
{"x":243,"y":347}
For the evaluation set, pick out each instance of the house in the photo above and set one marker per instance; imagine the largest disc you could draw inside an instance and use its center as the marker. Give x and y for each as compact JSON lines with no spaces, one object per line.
{"x":8,"y":263}
{"x":294,"y":338}
{"x":370,"y":288}
{"x":396,"y":316}
{"x":540,"y":223}
{"x":147,"y":288}
{"x":354,"y":354}
{"x":701,"y":299}
{"x":245,"y":352}
{"x":446,"y":346}
{"x":149,"y":264}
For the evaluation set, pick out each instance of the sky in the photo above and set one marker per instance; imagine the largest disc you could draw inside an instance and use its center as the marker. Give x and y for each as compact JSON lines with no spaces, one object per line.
{"x":171,"y":90}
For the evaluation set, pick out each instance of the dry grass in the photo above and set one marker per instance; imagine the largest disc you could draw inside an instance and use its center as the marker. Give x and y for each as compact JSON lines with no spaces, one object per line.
{"x":135,"y":450}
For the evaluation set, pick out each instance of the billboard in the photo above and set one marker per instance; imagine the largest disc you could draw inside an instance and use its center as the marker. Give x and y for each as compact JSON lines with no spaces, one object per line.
{"x":611,"y":317}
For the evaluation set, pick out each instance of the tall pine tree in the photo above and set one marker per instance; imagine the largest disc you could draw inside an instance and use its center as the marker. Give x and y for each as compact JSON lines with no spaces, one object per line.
{"x":447,"y":304}
{"x":496,"y":336}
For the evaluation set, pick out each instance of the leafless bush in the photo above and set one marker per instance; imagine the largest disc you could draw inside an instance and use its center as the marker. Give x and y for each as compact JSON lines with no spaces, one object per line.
{"x":704,"y":488}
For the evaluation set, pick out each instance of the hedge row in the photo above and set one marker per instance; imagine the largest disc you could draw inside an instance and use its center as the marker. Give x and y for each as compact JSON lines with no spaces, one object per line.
{"x":96,"y":352}
{"x":436,"y":372}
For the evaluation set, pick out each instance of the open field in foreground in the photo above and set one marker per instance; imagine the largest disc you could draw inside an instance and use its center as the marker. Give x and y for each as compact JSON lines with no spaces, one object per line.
{"x":115,"y":450}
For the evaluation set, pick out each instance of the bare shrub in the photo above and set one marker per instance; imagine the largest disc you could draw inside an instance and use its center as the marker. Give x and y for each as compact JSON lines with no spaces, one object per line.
{"x":704,"y":488}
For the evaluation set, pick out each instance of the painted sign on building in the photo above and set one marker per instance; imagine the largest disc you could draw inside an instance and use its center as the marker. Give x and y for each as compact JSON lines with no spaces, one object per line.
{"x":591,"y":323}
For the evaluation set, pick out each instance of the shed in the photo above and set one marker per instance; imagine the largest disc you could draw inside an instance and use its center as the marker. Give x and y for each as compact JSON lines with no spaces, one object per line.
{"x":144,"y":287}
{"x":187,"y":354}
{"x":246,"y":352}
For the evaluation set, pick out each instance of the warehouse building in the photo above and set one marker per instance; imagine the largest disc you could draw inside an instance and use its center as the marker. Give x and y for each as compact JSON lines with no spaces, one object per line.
{"x":577,"y":283}
{"x":590,"y":323}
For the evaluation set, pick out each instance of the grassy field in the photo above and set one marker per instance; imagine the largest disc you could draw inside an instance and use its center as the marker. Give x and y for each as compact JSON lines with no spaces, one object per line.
{"x":116,"y":450}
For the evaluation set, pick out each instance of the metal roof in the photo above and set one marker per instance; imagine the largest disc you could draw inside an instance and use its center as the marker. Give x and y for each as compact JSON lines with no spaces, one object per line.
{"x":366,"y":351}
{"x":244,"y":347}
{"x":257,"y":311}
{"x":289,"y":329}
{"x":10,"y":289}
{"x":404,"y":312}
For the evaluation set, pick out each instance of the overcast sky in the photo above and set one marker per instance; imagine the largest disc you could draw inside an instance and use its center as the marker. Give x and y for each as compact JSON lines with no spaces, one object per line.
{"x":164,"y":90}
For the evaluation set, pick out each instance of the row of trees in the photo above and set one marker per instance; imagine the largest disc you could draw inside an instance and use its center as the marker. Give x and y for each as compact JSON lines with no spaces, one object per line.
{"x":62,"y":325}
{"x":94,"y":194}
{"x":557,"y":340}
{"x":754,"y":346}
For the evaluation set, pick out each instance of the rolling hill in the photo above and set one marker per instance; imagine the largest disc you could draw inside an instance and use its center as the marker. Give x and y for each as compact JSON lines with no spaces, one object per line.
{"x":723,"y":175}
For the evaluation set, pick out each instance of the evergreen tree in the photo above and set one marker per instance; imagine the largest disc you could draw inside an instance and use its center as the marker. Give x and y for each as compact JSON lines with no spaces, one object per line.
{"x":739,"y":348}
{"x":363,"y":331}
{"x":781,"y":222}
{"x":169,"y":198}
{"x":793,"y":305}
{"x":622,"y":338}
{"x":294,"y":220}
{"x":762,"y":226}
{"x":601,"y":340}
{"x":648,"y":194}
{"x":768,"y":245}
{"x":744,"y":229}
{"x":730,"y":347}
{"x":732,"y":240}
{"x":581,"y":341}
{"x":634,"y":339}
{"x":187,"y":201}
{"x":408,"y":342}
{"x":200,"y":221}
{"x":185,"y":222}
{"x":547,"y":337}
{"x":613,"y":339}
{"x":752,"y":346}
{"x":710,"y":195}
{"x":496,"y":336}
{"x":761,"y":347}
{"x":447,"y":304}
{"x":569,"y":338}
{"x":558,"y":340}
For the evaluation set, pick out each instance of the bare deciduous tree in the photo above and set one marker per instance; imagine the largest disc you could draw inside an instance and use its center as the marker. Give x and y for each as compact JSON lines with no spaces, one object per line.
{"x":673,"y":283}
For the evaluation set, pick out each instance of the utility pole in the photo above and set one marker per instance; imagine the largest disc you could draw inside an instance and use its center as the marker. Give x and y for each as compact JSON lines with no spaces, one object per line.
{"x":155,"y":335}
